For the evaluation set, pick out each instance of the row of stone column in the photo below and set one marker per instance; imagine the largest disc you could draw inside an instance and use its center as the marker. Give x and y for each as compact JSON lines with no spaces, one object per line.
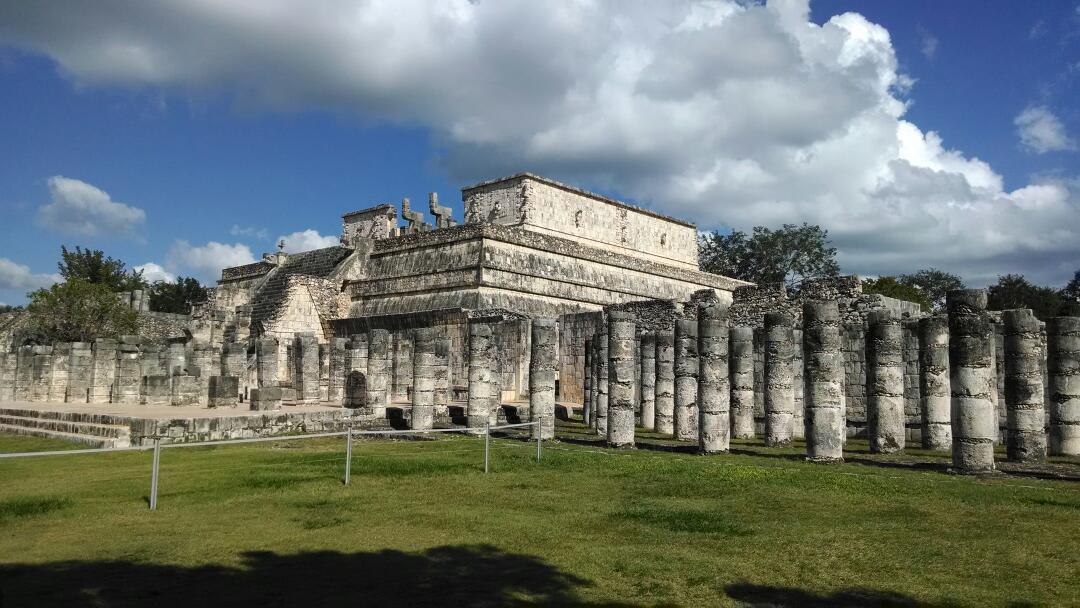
{"x":690,"y":383}
{"x":116,"y":371}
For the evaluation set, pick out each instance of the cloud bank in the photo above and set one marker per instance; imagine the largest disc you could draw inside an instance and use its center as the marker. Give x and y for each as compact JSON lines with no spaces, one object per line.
{"x":79,"y":208}
{"x":724,"y":113}
{"x":17,"y":276}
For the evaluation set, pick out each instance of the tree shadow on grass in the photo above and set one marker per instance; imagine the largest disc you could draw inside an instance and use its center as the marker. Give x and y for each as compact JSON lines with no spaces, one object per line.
{"x":763,"y":596}
{"x":442,"y":576}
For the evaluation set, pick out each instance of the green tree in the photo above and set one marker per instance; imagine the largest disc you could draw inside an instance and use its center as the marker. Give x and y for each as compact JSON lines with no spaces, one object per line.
{"x":890,"y":286}
{"x":9,"y":308}
{"x":934,"y":283}
{"x":92,"y":266}
{"x":1071,"y":291}
{"x":78,"y":311}
{"x":790,"y":254}
{"x":1014,"y":291}
{"x":177,"y":297}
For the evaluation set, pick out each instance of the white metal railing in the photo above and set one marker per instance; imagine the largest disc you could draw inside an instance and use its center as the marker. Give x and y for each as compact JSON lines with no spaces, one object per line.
{"x":157,"y":446}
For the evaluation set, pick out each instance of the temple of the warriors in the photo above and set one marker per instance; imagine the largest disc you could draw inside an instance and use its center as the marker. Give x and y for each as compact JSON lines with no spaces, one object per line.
{"x":546,"y":301}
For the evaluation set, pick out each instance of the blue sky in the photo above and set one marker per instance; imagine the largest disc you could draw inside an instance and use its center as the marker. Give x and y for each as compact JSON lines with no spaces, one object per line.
{"x":236,"y":127}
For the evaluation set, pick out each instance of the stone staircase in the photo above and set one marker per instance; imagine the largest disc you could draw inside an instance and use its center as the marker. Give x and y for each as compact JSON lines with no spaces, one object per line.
{"x":92,"y":430}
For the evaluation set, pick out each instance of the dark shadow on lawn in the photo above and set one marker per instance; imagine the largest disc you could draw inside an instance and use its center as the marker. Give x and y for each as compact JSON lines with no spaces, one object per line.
{"x":762,"y":596}
{"x":443,"y":576}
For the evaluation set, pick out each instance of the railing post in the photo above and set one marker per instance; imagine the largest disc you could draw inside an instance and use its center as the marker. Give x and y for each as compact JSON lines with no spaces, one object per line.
{"x":154,"y":474}
{"x":487,"y":444}
{"x":538,"y":440}
{"x":348,"y":454}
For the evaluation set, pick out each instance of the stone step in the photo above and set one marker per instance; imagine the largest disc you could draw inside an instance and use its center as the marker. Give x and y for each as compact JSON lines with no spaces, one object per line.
{"x":108,"y":431}
{"x":88,"y":440}
{"x":88,"y":417}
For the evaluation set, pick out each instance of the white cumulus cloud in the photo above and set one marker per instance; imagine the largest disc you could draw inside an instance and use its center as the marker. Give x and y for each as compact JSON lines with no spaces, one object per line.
{"x":727,"y":113}
{"x":205,"y":262}
{"x":1041,"y":131}
{"x":18,"y":276}
{"x":154,"y":272}
{"x":77,"y":207}
{"x":306,"y":240}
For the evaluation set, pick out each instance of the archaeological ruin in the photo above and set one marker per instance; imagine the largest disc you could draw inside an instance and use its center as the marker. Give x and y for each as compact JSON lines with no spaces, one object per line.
{"x":549,"y":302}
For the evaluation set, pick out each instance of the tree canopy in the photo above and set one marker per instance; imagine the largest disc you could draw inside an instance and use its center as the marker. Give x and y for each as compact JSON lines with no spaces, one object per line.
{"x":934,"y":284}
{"x":92,"y":266}
{"x":1015,"y":291}
{"x":890,"y":286}
{"x":790,"y":254}
{"x":78,"y":311}
{"x":177,"y":297}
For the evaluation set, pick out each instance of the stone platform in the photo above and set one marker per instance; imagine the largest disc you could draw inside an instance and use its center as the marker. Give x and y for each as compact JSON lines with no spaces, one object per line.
{"x":122,"y":425}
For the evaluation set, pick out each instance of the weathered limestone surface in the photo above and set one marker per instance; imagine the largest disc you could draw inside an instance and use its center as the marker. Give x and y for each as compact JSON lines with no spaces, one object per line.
{"x":403,"y":362}
{"x":42,"y":373}
{"x":665,"y":382}
{"x":798,"y":418}
{"x":234,"y":360}
{"x":128,"y":372}
{"x":202,"y":355}
{"x":742,"y":382}
{"x":1026,"y":434}
{"x":1063,"y":356}
{"x":912,"y":381}
{"x":306,"y":352}
{"x":58,"y":379}
{"x":8,"y":362}
{"x":378,"y":371}
{"x":79,"y":372}
{"x":602,"y":382}
{"x":621,"y":363}
{"x":686,"y":379}
{"x":423,"y":390}
{"x":647,"y":374}
{"x":266,"y":398}
{"x":587,"y":405}
{"x":478,"y":408}
{"x":157,"y":390}
{"x":224,"y":391}
{"x":971,"y":379}
{"x":543,"y":362}
{"x":103,"y":372}
{"x":714,"y":393}
{"x":266,"y":362}
{"x":336,"y":388}
{"x":779,"y":379}
{"x":934,"y":389}
{"x":824,"y":382}
{"x":443,"y":346}
{"x":186,"y":390}
{"x":885,"y":386}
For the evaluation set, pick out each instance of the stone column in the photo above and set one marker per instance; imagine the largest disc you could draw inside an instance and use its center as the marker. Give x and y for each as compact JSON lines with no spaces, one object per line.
{"x":686,"y":379}
{"x":307,"y":367}
{"x":42,"y":373}
{"x":8,"y":364}
{"x":335,"y":388}
{"x":741,"y":363}
{"x":885,"y":383}
{"x":443,"y":346}
{"x":402,"y":365}
{"x":58,"y":381}
{"x":1025,"y":420}
{"x":24,"y":373}
{"x":224,"y":391}
{"x":971,"y":380}
{"x":128,"y":382}
{"x":153,"y":359}
{"x":665,"y":382}
{"x":586,"y":406}
{"x":602,"y":382}
{"x":714,"y":392}
{"x":495,"y":380}
{"x":1063,"y":363}
{"x":102,"y":370}
{"x":203,"y":358}
{"x":423,"y":388}
{"x":779,"y":379}
{"x":543,"y":361}
{"x":266,"y":361}
{"x":478,"y":407}
{"x":648,"y":381}
{"x":824,"y":372}
{"x":378,"y":371}
{"x":934,"y":391}
{"x":234,"y":360}
{"x":798,"y":418}
{"x":621,"y":363}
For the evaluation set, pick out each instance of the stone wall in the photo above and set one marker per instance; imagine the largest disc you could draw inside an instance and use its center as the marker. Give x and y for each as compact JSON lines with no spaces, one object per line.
{"x":543,"y":205}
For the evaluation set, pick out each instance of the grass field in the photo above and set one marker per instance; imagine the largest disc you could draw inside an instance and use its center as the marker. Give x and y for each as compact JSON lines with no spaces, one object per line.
{"x":420,"y":524}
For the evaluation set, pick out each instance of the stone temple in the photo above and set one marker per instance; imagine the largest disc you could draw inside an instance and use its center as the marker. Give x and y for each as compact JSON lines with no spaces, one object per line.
{"x":549,"y":301}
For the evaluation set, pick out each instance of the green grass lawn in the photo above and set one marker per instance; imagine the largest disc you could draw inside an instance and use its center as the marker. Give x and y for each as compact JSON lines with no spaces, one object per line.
{"x":420,"y":524}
